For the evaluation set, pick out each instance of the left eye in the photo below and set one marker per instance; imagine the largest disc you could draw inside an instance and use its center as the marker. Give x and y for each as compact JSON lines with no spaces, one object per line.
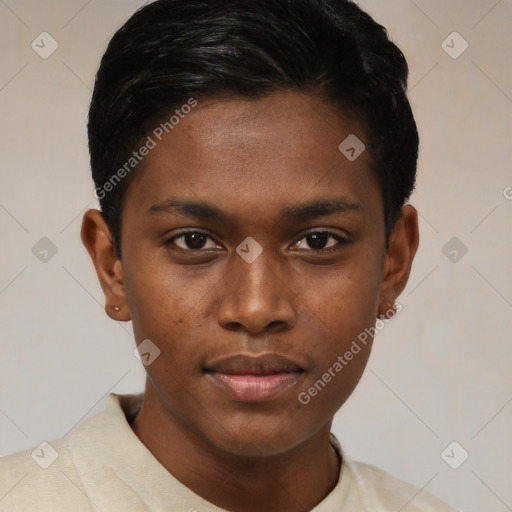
{"x":319,"y":241}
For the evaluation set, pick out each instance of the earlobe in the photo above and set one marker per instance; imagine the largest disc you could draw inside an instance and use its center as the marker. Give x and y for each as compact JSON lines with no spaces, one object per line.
{"x":97,"y":239}
{"x":403,"y":245}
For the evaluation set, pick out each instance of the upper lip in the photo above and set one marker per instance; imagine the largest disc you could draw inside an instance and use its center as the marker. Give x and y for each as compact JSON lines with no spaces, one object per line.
{"x":262,"y":364}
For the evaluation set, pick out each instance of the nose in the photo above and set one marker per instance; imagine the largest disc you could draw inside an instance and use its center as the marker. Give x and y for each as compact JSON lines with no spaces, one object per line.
{"x":256,"y":298}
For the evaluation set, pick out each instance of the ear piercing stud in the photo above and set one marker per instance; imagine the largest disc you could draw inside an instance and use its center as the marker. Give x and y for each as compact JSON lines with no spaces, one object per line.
{"x":117,"y":308}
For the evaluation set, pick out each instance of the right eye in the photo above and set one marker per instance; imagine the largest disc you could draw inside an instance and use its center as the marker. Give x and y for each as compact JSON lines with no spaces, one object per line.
{"x":193,"y":241}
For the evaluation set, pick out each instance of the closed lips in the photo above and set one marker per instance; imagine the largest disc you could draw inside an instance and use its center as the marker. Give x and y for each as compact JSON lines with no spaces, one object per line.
{"x":266,"y":364}
{"x":254,"y":379}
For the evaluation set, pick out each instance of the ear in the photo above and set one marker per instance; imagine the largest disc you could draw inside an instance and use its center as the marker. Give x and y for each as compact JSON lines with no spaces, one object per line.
{"x":97,"y":239}
{"x":403,"y":244}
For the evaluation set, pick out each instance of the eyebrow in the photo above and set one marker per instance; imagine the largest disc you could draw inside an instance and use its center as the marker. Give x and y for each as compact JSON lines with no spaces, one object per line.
{"x":199,"y":209}
{"x":204,"y":210}
{"x":320,"y":208}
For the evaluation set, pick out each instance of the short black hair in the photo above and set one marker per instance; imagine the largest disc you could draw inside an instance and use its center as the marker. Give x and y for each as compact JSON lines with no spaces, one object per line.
{"x":173,"y":51}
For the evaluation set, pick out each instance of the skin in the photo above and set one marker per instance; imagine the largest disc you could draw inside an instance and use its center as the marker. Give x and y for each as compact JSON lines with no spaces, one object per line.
{"x":251,"y":160}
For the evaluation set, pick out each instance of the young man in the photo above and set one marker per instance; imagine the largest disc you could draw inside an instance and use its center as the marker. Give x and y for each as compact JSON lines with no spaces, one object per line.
{"x":252,"y":159}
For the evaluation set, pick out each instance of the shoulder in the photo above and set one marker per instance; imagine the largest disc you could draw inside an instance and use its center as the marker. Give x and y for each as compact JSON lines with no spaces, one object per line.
{"x":39,"y":479}
{"x":56,"y":475}
{"x":364,"y":487}
{"x":383,"y":491}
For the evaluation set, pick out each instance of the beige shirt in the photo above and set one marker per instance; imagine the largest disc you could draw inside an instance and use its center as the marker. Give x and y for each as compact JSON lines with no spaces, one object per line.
{"x":102,"y":466}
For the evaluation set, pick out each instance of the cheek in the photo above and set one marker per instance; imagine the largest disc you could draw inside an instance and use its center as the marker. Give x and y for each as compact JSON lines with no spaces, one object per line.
{"x":338,"y":316}
{"x":339,"y":324}
{"x":346,"y":298}
{"x":156,"y":284}
{"x":160,"y":302}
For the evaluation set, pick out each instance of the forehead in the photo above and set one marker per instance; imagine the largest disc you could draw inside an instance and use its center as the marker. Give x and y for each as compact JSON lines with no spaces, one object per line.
{"x":276,"y":150}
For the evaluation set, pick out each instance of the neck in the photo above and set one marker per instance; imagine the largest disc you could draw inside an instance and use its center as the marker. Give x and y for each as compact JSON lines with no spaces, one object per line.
{"x":294,"y":481}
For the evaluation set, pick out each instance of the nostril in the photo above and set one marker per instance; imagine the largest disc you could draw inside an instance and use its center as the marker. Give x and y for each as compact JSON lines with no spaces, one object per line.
{"x":276,"y":325}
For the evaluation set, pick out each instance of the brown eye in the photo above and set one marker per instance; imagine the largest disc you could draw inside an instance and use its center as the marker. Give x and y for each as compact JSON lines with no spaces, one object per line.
{"x":320,"y":241}
{"x":193,"y":241}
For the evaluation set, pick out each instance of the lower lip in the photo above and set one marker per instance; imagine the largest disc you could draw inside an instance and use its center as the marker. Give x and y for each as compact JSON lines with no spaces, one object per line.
{"x":255,"y":388}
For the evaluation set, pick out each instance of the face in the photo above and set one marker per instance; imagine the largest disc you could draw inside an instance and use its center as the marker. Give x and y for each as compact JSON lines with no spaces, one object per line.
{"x":253,"y":255}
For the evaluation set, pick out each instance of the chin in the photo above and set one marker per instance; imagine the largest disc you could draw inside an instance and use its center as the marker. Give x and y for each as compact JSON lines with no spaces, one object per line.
{"x":257,"y":437}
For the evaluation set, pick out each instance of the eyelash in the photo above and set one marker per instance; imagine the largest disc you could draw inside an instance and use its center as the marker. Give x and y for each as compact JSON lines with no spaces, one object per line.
{"x":341,"y":241}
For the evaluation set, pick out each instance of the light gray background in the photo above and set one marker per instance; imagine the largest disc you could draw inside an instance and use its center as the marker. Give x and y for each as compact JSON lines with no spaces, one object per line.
{"x":440,"y":372}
